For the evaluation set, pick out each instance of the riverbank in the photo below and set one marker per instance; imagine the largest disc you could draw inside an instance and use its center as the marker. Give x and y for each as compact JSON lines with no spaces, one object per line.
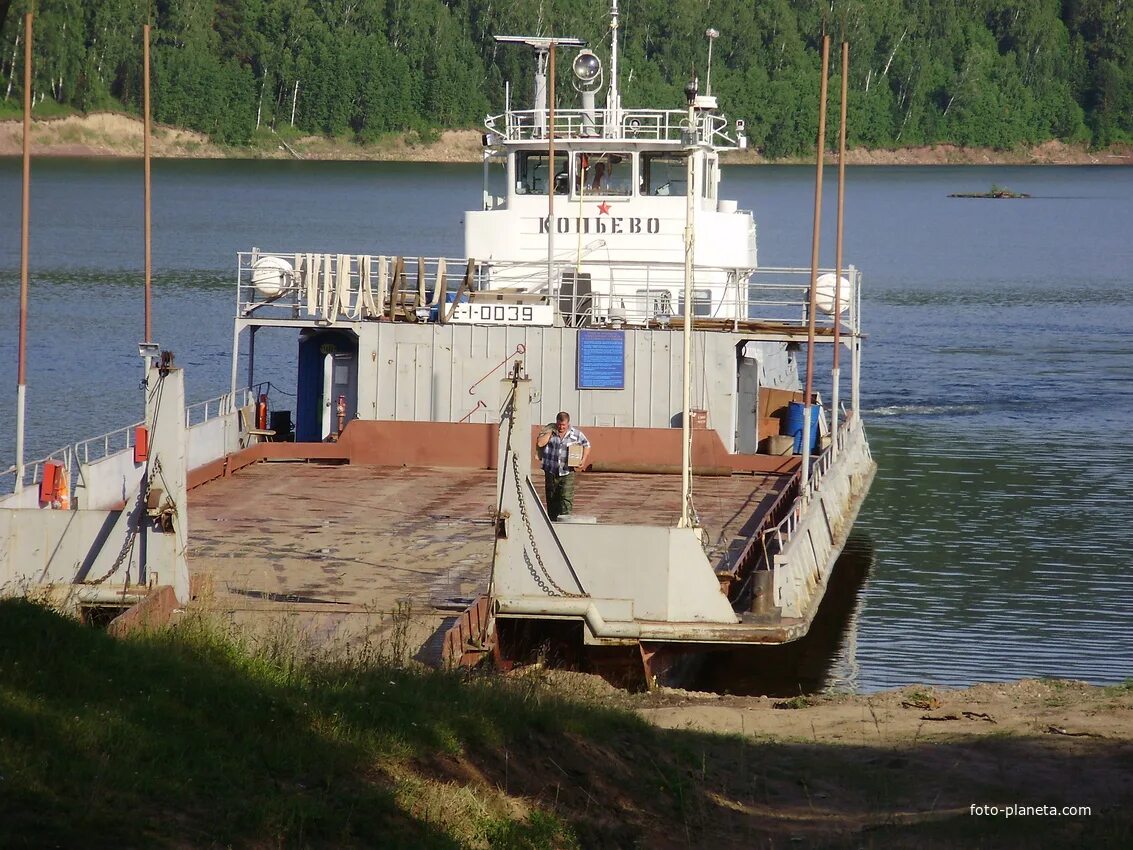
{"x":193,"y":737}
{"x":116,"y":135}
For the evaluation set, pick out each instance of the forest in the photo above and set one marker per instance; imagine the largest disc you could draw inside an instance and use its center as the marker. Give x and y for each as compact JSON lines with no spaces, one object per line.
{"x":979,"y":73}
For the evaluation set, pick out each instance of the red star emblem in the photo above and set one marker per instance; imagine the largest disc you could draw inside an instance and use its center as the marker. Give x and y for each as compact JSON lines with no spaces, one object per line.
{"x":603,"y":208}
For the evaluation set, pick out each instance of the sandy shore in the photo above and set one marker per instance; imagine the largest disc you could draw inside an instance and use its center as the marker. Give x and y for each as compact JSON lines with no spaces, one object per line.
{"x":1047,"y":708}
{"x":1033,"y":763}
{"x":112,"y":134}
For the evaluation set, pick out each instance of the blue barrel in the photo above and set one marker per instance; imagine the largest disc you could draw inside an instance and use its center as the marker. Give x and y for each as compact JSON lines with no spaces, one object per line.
{"x":795,"y":412}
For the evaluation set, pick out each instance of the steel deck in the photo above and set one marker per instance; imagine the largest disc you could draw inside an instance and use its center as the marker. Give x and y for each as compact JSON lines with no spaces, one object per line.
{"x":338,"y":548}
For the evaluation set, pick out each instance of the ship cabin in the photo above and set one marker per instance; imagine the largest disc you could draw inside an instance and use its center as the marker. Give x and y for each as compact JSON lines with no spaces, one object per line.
{"x":595,"y":209}
{"x":591,"y":220}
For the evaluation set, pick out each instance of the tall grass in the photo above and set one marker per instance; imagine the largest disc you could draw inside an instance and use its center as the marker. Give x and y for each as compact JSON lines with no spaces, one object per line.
{"x":196,"y":735}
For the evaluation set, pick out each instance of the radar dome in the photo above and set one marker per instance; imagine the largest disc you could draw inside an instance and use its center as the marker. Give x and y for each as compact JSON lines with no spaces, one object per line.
{"x":271,"y":275}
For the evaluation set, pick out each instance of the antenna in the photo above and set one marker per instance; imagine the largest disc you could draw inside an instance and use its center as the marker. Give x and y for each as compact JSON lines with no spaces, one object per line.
{"x":712,"y":34}
{"x":542,"y":47}
{"x":613,"y":98}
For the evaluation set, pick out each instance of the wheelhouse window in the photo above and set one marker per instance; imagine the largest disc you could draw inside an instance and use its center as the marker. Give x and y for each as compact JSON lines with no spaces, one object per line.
{"x":531,"y":173}
{"x":664,"y":174}
{"x":603,"y":173}
{"x":701,"y":302}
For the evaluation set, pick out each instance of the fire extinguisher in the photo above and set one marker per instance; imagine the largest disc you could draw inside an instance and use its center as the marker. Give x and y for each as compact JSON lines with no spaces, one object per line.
{"x":341,"y":409}
{"x":262,"y":412}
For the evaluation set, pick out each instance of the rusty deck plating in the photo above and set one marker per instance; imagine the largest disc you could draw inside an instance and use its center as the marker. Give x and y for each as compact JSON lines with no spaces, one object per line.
{"x":338,"y":548}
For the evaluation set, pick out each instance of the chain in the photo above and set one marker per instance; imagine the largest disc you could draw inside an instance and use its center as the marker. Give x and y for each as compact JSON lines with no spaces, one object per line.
{"x":127,"y":548}
{"x":132,"y":534}
{"x":543,"y":585}
{"x":534,"y":575}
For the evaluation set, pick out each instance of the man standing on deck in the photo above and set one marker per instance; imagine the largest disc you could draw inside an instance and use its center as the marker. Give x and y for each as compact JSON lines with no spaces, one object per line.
{"x":554,"y":444}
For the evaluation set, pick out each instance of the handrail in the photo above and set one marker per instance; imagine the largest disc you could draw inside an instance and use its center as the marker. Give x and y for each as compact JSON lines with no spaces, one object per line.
{"x":114,"y":442}
{"x":784,"y":530}
{"x":781,"y":518}
{"x":87,"y":450}
{"x":33,"y":470}
{"x":330,"y":288}
{"x":657,"y":125}
{"x":225,"y":403}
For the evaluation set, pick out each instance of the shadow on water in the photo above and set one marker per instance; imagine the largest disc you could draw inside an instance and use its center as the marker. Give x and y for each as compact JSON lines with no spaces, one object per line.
{"x":824,"y":658}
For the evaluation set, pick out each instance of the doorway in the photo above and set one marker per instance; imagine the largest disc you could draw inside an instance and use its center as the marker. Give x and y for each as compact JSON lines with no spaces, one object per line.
{"x":328,"y":375}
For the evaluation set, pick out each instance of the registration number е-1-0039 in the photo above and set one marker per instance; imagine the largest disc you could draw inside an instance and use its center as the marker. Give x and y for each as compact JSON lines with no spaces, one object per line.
{"x":503,"y":314}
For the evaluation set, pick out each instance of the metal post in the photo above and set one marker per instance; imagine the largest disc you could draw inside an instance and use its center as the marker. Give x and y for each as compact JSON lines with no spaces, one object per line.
{"x":551,"y":172}
{"x":808,"y":393}
{"x":235,"y":359}
{"x":613,"y":96}
{"x":686,"y":520}
{"x":252,"y":355}
{"x":21,"y":368}
{"x":856,"y":351}
{"x":835,"y":371}
{"x":146,"y":155}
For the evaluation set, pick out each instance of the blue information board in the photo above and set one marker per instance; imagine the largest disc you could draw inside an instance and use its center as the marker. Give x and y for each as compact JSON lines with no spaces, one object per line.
{"x":601,"y":360}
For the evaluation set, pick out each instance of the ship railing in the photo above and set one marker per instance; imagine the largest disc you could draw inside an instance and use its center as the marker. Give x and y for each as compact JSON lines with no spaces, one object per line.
{"x":652,"y":294}
{"x":214,"y":408}
{"x":33,"y":474}
{"x":105,"y":445}
{"x":72,"y":458}
{"x":785,"y":529}
{"x":327,"y":288}
{"x":660,"y":125}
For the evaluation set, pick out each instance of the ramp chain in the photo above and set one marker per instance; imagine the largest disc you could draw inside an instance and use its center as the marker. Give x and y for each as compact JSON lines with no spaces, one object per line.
{"x":543,"y":585}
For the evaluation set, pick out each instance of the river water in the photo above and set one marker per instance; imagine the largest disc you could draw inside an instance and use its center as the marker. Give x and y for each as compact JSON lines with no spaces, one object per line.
{"x":997,"y":394}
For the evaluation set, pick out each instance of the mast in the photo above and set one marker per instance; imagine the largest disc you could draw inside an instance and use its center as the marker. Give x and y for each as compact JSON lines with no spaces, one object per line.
{"x":146,"y":148}
{"x":613,"y":97}
{"x":687,"y":520}
{"x":551,"y":174}
{"x":21,"y":369}
{"x":808,"y":411}
{"x":835,"y":371}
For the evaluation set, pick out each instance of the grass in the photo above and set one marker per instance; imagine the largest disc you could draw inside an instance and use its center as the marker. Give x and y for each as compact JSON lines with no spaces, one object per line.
{"x":247,"y":744}
{"x":196,"y":736}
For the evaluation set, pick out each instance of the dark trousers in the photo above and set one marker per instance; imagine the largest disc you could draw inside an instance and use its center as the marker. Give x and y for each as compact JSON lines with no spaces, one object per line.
{"x":560,"y":493}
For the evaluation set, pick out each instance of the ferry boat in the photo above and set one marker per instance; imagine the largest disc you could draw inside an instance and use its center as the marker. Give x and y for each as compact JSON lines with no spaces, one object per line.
{"x":604,"y":275}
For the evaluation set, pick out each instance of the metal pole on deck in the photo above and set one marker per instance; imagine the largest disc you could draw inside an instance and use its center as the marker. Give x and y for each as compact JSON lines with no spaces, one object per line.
{"x":235,"y":353}
{"x":686,"y":520}
{"x":146,"y":155}
{"x":551,"y":171}
{"x":251,"y":356}
{"x":21,"y":368}
{"x":614,"y":97}
{"x":856,"y":350}
{"x":835,"y":371}
{"x":807,"y":395}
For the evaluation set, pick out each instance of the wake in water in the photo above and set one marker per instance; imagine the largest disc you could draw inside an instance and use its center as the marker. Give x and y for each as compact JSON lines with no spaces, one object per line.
{"x":925,"y":410}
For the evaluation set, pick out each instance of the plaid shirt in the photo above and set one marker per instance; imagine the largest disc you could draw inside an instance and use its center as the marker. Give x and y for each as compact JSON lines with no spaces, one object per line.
{"x":555,"y":452}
